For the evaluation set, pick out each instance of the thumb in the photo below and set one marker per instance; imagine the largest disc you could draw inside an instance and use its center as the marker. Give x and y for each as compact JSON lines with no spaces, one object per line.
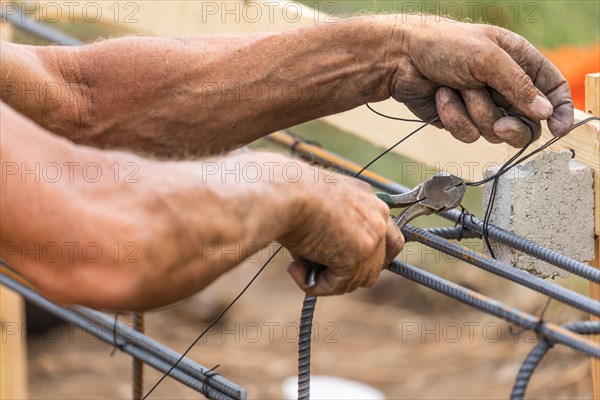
{"x":510,"y":80}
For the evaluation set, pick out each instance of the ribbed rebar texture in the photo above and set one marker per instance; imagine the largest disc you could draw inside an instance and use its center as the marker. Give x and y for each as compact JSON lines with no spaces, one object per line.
{"x":142,"y":347}
{"x":457,"y":233}
{"x":166,"y":354}
{"x":527,"y":246}
{"x":534,"y":358}
{"x":304,"y":339}
{"x":324,"y":157}
{"x":496,"y":308}
{"x":138,"y":365}
{"x":567,"y":296}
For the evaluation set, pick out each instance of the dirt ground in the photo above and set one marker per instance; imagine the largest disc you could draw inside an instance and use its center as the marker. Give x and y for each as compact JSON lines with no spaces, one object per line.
{"x":404,"y":340}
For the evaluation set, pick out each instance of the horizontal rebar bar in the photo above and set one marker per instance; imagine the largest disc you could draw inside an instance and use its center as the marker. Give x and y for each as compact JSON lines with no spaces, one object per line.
{"x":574,"y":299}
{"x":192,"y":376}
{"x":495,"y":307}
{"x":457,"y":233}
{"x":162,"y":352}
{"x":20,"y":21}
{"x":313,"y":153}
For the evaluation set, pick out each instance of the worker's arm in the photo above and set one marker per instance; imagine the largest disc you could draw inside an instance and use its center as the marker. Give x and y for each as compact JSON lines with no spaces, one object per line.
{"x":188,"y":96}
{"x":112,"y":230}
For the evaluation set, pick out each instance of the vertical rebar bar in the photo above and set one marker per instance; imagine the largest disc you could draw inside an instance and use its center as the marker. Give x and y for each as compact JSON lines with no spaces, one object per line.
{"x":138,"y":365}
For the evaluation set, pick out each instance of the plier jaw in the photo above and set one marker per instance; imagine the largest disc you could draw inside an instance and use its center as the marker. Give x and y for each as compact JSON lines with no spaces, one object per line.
{"x":440,"y":193}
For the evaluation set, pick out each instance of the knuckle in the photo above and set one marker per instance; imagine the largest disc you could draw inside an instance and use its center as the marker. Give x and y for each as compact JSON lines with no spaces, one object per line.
{"x":469,"y":138}
{"x":361,"y":184}
{"x":524,"y":87}
{"x":461,"y":128}
{"x":492,"y":138}
{"x":340,"y":287}
{"x":379,"y":229}
{"x":482,"y":59}
{"x":370,"y":282}
{"x":394,"y":250}
{"x":400,"y":241}
{"x":509,"y":40}
{"x":383,"y":208}
{"x":366,"y":245}
{"x":491,"y":31}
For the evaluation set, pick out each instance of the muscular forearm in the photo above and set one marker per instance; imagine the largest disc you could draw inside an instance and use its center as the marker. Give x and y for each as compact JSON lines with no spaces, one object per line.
{"x":205,"y":94}
{"x":112,"y":230}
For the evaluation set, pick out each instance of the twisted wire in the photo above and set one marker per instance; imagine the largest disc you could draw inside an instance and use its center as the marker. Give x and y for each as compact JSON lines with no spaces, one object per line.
{"x":487,"y":230}
{"x":166,"y":354}
{"x":534,"y":358}
{"x":326,"y":158}
{"x":528,"y":247}
{"x":104,"y":331}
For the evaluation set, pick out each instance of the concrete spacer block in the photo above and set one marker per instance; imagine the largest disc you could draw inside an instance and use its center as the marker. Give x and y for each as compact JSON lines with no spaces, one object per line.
{"x":549,"y":200}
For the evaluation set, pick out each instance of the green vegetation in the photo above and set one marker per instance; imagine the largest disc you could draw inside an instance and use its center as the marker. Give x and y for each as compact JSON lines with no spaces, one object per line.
{"x":546,"y":23}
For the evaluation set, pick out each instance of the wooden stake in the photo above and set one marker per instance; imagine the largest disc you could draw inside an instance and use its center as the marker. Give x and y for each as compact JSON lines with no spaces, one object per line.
{"x":592,"y":105}
{"x":13,"y":351}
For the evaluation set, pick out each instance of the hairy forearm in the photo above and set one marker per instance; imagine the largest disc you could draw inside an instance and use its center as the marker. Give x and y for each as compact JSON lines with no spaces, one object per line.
{"x":113,"y":230}
{"x":195,"y":95}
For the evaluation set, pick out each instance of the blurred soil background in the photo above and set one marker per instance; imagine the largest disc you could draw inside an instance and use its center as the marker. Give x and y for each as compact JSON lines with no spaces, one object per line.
{"x":401,"y":338}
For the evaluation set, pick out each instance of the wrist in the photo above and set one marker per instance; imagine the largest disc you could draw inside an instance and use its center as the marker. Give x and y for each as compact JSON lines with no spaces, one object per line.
{"x":291,"y":185}
{"x":392,"y":43}
{"x":284,"y":194}
{"x":263,"y":194}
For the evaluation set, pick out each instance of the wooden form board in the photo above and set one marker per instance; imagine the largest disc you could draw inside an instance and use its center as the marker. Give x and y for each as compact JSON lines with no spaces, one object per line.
{"x":592,"y":105}
{"x":13,"y":350}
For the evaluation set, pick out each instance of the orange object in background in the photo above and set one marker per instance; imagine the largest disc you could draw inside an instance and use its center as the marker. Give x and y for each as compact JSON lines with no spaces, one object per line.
{"x":575,"y":63}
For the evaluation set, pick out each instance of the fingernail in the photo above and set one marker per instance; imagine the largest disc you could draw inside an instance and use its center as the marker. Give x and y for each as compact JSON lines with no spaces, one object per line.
{"x":542,"y":107}
{"x":444,"y":94}
{"x":505,"y":129}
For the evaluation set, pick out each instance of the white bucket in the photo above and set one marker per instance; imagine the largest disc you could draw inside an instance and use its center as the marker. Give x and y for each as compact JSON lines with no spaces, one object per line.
{"x":331,"y":388}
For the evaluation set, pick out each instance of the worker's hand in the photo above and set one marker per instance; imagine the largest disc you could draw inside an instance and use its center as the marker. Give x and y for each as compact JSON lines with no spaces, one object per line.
{"x":476,"y":78}
{"x":346,"y":228}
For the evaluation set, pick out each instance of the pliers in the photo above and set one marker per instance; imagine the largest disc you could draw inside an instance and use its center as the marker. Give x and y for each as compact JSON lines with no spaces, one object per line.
{"x":440,"y":193}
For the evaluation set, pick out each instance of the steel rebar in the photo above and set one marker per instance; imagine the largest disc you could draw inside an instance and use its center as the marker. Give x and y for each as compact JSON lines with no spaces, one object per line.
{"x":534,"y":358}
{"x":155,"y":359}
{"x":574,"y":299}
{"x":313,"y":153}
{"x":495,"y":307}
